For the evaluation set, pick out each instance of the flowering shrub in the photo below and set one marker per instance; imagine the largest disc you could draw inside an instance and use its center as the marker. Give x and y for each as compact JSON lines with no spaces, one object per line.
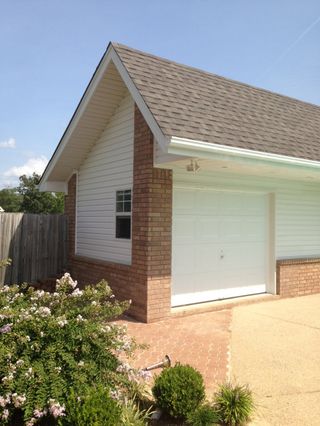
{"x":52,"y":342}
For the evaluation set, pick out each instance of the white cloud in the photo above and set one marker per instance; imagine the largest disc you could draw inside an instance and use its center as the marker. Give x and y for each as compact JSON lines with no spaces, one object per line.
{"x":10,"y":143}
{"x":33,"y":165}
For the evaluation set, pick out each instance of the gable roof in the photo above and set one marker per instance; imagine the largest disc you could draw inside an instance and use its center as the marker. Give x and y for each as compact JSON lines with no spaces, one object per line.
{"x":188,"y":110}
{"x":193,"y":104}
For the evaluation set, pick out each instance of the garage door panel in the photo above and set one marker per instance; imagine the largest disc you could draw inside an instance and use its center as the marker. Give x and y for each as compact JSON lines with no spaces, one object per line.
{"x":231,"y":229}
{"x":183,"y":253}
{"x":247,"y":255}
{"x":207,"y":258}
{"x":219,"y":245}
{"x":207,"y":229}
{"x":233,"y":204}
{"x":207,"y":281}
{"x":184,"y":284}
{"x":185,"y":230}
{"x":238,"y":229}
{"x":250,"y":206}
{"x":207,"y":202}
{"x":241,"y":204}
{"x":242,"y":277}
{"x":254,"y":229}
{"x":184,"y":201}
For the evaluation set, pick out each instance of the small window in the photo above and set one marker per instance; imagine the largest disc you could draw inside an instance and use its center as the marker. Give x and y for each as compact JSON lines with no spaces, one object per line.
{"x":123,"y":214}
{"x":123,"y":227}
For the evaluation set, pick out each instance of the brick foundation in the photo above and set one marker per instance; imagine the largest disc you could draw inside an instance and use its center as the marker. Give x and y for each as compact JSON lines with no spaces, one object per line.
{"x":298,"y":277}
{"x":147,"y":281}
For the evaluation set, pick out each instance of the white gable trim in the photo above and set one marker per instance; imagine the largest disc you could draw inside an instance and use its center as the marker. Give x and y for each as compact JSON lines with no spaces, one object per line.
{"x":109,"y":56}
{"x":52,"y":186}
{"x":193,"y":148}
{"x":157,"y":132}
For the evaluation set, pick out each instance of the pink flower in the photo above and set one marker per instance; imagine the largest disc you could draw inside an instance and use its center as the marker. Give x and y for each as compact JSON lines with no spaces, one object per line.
{"x":5,"y":414}
{"x":115,"y":394}
{"x":18,"y":400}
{"x":44,"y":311}
{"x":6,"y":328}
{"x":3,"y":402}
{"x":66,"y":281}
{"x":76,"y":292}
{"x":80,"y":318}
{"x":56,"y":409}
{"x":38,"y":413}
{"x":62,"y":322}
{"x":145,"y":375}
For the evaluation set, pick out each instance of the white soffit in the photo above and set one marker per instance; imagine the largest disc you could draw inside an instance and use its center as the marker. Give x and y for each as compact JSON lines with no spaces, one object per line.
{"x":194,"y":148}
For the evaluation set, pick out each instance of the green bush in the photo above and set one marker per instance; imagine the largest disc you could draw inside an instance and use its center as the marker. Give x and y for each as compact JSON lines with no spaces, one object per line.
{"x":52,"y":342}
{"x":205,"y":415}
{"x":95,"y":407}
{"x":234,"y":404}
{"x":179,"y":390}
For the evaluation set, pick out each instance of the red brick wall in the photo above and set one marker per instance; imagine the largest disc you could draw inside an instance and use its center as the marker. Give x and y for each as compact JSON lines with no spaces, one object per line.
{"x":147,"y":282}
{"x":297,"y":277}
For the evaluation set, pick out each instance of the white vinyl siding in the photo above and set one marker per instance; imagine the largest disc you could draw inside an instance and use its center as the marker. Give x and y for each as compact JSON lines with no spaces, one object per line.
{"x":107,"y":169}
{"x":296,"y":211}
{"x":298,"y":223}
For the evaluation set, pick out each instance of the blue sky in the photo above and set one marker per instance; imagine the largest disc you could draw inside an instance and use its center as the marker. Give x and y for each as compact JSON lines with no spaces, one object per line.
{"x":50,"y":48}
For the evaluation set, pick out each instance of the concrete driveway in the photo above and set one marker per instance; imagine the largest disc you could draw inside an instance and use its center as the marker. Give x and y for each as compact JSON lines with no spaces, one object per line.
{"x":275,"y":348}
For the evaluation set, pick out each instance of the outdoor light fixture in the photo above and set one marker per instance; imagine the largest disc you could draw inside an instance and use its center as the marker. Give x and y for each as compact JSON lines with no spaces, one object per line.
{"x":166,"y":362}
{"x":193,"y":166}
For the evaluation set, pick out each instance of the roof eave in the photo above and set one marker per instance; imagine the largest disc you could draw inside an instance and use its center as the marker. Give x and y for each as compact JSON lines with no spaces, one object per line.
{"x":195,"y":148}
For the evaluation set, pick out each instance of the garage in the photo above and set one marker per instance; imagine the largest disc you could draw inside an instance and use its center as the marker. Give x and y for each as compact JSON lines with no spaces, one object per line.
{"x":219,"y":244}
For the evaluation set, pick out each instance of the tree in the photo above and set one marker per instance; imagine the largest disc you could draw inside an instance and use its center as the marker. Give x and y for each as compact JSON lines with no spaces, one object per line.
{"x":34,"y":201}
{"x":10,"y":200}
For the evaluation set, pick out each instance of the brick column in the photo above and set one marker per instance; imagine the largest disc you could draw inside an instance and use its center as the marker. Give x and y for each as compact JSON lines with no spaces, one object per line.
{"x":151,"y":225}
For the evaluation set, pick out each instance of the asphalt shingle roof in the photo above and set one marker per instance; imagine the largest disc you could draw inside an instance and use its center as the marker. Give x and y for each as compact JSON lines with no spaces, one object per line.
{"x":194,"y":104}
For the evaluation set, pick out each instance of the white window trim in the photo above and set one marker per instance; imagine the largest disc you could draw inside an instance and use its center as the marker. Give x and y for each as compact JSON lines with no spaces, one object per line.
{"x":129,"y":214}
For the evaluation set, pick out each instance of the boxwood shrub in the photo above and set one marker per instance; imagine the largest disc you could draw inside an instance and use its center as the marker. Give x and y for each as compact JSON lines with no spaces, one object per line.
{"x":179,"y":390}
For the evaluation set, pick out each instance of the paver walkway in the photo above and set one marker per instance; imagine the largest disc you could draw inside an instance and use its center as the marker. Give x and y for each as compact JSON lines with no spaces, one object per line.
{"x":199,"y":340}
{"x":275,"y":348}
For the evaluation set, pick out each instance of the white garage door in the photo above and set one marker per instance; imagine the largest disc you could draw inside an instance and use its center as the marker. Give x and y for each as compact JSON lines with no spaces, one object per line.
{"x":219,"y":245}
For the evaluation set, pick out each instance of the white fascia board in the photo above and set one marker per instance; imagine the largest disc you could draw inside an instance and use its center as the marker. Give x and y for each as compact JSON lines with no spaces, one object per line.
{"x":193,"y":148}
{"x":77,"y":115}
{"x":152,"y":123}
{"x":109,"y":56}
{"x":51,"y":186}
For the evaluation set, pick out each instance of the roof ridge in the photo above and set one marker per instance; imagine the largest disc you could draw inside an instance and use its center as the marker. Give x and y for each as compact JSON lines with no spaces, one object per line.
{"x":227,"y":79}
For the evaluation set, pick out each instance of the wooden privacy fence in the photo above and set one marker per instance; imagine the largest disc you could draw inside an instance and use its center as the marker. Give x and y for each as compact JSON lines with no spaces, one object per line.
{"x":36,"y":243}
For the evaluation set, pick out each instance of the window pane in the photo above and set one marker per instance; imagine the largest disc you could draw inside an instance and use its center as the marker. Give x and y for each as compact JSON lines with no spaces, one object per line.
{"x":127,"y":206}
{"x":123,"y":201}
{"x":119,"y":207}
{"x":120,"y":195}
{"x":123,"y":227}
